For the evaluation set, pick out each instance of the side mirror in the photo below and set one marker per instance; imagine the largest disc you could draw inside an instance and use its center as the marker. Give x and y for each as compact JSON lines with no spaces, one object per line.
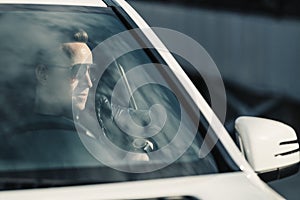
{"x":270,"y":147}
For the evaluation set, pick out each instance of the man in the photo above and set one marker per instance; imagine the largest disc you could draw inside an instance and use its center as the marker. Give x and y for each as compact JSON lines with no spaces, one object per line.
{"x":63,"y":76}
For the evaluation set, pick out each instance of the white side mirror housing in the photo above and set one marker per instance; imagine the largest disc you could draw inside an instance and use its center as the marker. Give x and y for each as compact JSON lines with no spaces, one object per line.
{"x":268,"y":145}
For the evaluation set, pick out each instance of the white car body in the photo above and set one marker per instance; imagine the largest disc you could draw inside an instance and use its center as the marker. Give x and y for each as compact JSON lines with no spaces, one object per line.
{"x":238,"y":185}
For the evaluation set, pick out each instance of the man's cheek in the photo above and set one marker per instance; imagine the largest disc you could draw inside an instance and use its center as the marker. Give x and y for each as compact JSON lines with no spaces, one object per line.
{"x":65,"y":92}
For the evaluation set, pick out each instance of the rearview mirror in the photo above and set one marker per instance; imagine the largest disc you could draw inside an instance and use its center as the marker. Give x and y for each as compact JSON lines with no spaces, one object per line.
{"x":270,"y":147}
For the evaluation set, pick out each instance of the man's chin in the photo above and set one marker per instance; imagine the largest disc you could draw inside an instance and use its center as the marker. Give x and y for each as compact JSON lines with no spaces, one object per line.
{"x":79,"y":103}
{"x":80,"y":106}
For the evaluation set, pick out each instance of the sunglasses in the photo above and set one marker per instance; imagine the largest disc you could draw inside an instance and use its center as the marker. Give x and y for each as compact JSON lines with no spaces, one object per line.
{"x":78,"y":71}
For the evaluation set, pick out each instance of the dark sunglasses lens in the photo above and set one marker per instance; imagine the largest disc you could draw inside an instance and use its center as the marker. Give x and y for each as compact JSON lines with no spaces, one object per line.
{"x":75,"y":71}
{"x":79,"y":70}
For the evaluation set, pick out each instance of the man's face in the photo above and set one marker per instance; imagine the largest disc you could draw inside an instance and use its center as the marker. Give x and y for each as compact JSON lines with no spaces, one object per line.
{"x":70,"y":83}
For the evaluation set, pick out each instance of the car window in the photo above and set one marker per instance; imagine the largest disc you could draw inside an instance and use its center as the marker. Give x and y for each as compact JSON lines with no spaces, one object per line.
{"x":43,"y":145}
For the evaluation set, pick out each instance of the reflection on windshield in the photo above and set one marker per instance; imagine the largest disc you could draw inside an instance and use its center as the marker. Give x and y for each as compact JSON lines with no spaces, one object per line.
{"x":47,"y":65}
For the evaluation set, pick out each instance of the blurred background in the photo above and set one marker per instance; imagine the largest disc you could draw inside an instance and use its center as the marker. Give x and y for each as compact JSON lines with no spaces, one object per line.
{"x":256,"y":46}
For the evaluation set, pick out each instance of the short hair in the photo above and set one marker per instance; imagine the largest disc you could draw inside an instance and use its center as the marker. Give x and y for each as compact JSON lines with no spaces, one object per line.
{"x":57,"y":53}
{"x":52,"y":56}
{"x":81,"y":36}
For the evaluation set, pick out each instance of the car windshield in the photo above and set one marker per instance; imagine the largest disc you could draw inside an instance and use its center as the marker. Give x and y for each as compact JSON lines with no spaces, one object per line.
{"x":69,"y":117}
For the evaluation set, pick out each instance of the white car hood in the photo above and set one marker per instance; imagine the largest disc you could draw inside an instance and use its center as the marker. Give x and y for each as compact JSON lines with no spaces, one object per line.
{"x":208,"y":187}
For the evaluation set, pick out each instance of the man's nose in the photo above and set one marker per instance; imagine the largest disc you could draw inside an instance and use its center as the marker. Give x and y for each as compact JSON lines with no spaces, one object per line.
{"x":88,"y":79}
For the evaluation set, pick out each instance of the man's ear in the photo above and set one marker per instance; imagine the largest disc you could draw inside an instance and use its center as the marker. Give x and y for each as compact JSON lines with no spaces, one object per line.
{"x":41,"y":72}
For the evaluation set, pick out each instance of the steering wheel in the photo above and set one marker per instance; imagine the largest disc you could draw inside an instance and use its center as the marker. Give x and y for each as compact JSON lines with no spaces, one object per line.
{"x":116,"y":135}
